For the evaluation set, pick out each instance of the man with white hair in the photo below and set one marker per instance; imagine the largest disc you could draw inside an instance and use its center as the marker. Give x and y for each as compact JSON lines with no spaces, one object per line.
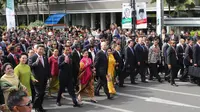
{"x":101,"y":65}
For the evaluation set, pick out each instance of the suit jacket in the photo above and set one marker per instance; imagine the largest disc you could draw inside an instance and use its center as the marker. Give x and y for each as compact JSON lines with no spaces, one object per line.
{"x":188,"y":55}
{"x":196,"y":54}
{"x":172,"y":57}
{"x":140,"y":53}
{"x":75,"y":61}
{"x":161,"y":41}
{"x":180,"y":52}
{"x":130,"y":59}
{"x":164,"y":51}
{"x":24,"y":49}
{"x":176,"y":38}
{"x":119,"y":59}
{"x":101,"y":63}
{"x":40,"y":72}
{"x":12,"y":60}
{"x":65,"y":69}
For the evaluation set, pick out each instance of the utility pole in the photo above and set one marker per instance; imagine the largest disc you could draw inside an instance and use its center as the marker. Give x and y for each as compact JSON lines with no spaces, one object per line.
{"x":65,"y":18}
{"x":159,"y":16}
{"x":132,"y":3}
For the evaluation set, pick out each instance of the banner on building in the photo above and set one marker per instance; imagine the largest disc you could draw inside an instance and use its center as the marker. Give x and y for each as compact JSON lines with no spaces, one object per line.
{"x":126,"y":16}
{"x":10,"y":14}
{"x":141,"y":15}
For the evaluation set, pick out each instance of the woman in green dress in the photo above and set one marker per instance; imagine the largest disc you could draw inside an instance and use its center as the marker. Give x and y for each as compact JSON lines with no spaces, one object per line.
{"x":23,"y":71}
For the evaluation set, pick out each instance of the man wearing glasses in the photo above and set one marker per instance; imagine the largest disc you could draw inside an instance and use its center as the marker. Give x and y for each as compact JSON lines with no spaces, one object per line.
{"x":18,"y":101}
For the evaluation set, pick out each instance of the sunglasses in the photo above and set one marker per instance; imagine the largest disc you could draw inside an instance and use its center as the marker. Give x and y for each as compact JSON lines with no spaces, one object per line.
{"x":26,"y":105}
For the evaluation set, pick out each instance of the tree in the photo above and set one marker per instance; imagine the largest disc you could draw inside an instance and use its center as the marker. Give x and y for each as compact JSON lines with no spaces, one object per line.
{"x":178,"y":5}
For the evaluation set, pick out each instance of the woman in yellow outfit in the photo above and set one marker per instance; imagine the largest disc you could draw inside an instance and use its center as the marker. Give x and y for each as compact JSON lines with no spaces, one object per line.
{"x":111,"y":71}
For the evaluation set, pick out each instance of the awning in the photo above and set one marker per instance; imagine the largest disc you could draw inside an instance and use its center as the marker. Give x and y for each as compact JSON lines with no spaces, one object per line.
{"x":54,"y":19}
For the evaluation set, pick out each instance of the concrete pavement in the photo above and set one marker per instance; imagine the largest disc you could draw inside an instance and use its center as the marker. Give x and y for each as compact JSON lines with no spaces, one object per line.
{"x":144,"y":97}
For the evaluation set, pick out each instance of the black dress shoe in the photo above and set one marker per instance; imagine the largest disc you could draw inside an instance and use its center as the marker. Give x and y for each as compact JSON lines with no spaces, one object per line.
{"x":43,"y":110}
{"x":110,"y":97}
{"x":161,"y":81}
{"x":145,"y":81}
{"x":122,"y":86}
{"x":93,"y":101}
{"x":39,"y":110}
{"x":174,"y":85}
{"x":58,"y":104}
{"x":76,"y":105}
{"x":134,"y":83}
{"x":97,"y":94}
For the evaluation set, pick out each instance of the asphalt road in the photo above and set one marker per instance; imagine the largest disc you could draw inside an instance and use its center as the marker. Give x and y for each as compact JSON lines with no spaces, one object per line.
{"x":144,"y":97}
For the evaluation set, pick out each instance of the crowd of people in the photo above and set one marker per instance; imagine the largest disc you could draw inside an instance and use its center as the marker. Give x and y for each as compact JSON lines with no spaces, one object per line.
{"x":74,"y":58}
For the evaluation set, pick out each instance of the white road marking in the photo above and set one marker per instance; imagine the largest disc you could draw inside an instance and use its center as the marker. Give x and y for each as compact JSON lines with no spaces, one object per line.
{"x":158,"y":100}
{"x":54,"y":106}
{"x":163,"y":90}
{"x":103,"y":106}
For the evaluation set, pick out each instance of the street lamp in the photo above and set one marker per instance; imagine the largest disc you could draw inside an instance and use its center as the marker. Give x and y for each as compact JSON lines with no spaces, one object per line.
{"x":132,"y":3}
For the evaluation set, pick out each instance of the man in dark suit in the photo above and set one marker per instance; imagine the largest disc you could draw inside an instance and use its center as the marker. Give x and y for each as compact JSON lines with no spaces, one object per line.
{"x":12,"y":57}
{"x":40,"y":68}
{"x":119,"y":64}
{"x":130,"y":62}
{"x":188,"y":59}
{"x":180,"y":49}
{"x":164,"y":53}
{"x":141,"y":58}
{"x":196,"y":56}
{"x":172,"y":36}
{"x":91,"y":52}
{"x":101,"y":65}
{"x":162,"y":38}
{"x":65,"y":76}
{"x":23,"y":45}
{"x":76,"y":57}
{"x":172,"y":62}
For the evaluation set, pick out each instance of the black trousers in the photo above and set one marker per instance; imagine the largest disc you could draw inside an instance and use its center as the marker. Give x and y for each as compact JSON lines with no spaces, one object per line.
{"x":102,"y":81}
{"x":75,"y":78}
{"x":167,"y":71}
{"x":32,"y":91}
{"x":120,"y":77}
{"x":1,"y":97}
{"x":173,"y":74}
{"x":39,"y":94}
{"x":130,"y":72}
{"x":185,"y":73}
{"x":142,"y":69}
{"x":69,"y":85}
{"x":154,"y":71}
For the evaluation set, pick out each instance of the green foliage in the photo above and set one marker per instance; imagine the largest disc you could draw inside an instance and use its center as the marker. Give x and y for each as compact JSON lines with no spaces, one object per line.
{"x":23,"y":26}
{"x":193,"y":32}
{"x":35,"y":24}
{"x":3,"y":27}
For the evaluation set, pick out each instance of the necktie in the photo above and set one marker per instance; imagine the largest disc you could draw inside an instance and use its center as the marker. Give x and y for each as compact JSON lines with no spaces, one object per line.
{"x":119,"y":53}
{"x":41,"y":61}
{"x":67,"y":57}
{"x":132,"y":50}
{"x":16,"y":60}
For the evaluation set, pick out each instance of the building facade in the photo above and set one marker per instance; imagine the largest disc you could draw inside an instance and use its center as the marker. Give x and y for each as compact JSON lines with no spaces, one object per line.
{"x":91,"y":13}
